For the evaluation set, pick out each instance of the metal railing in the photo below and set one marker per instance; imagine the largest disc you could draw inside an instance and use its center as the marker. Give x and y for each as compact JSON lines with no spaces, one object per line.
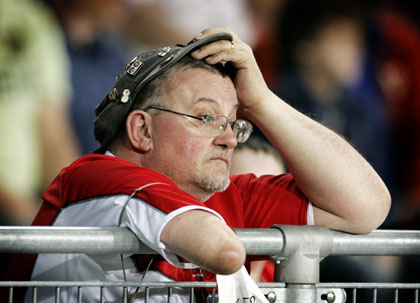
{"x":257,"y":241}
{"x":297,"y":250}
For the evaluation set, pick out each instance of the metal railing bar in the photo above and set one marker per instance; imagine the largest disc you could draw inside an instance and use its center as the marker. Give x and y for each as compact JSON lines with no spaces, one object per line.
{"x":58,"y":284}
{"x":369,"y":285}
{"x":146,"y":294}
{"x":57,"y":295}
{"x":267,"y":241}
{"x":107,"y":284}
{"x":125,"y":294}
{"x":271,"y":284}
{"x":101,"y":298}
{"x":79,"y":294}
{"x":378,"y":242}
{"x":191,"y":295}
{"x":23,"y":239}
{"x":213,"y":295}
{"x":11,"y":295}
{"x":34,"y":294}
{"x":169,"y":294}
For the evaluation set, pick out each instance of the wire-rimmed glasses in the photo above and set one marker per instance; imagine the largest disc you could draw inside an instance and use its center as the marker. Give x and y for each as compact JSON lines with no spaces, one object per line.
{"x":214,"y":125}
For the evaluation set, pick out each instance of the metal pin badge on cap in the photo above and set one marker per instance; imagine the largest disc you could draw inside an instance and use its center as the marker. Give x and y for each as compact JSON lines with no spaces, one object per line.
{"x":114,"y":108}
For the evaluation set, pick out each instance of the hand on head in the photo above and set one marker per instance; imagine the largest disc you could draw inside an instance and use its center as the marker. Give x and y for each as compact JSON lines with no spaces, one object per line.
{"x":249,"y":82}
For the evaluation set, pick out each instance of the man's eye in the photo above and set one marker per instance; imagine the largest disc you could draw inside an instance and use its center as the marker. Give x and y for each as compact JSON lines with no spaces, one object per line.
{"x":207,"y":118}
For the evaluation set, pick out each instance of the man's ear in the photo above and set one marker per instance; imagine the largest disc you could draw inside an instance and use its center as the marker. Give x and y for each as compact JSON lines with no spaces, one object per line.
{"x":139,"y":130}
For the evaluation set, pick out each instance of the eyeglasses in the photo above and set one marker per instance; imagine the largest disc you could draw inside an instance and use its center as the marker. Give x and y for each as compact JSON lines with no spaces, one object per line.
{"x":214,"y":125}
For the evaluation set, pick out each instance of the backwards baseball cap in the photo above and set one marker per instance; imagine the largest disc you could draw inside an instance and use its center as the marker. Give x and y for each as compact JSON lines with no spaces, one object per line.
{"x":116,"y":105}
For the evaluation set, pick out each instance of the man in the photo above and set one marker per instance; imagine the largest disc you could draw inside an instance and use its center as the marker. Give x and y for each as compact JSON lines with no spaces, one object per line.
{"x":168,"y":129}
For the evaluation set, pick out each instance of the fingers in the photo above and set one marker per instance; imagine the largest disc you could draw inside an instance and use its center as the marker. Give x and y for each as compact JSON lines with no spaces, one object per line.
{"x":216,"y":49}
{"x":215,"y":30}
{"x":223,"y":50}
{"x":249,"y":82}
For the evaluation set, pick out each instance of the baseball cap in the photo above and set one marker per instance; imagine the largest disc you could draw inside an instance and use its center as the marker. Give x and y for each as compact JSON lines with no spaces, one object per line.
{"x":116,"y":105}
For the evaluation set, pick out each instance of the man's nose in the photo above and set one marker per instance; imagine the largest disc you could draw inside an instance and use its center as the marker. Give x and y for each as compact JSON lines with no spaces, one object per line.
{"x":227,"y":139}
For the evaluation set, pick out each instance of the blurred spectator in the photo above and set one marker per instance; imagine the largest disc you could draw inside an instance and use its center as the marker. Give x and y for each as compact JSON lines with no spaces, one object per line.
{"x":267,"y":51}
{"x":398,"y":71}
{"x":156,"y":23}
{"x":36,"y":136}
{"x":323,"y":48}
{"x":96,"y":56}
{"x":323,"y":52}
{"x":259,"y":157}
{"x":395,"y":66}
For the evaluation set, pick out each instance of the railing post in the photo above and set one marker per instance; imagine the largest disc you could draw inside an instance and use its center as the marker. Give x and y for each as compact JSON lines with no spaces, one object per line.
{"x":298,"y":263}
{"x":303,"y":250}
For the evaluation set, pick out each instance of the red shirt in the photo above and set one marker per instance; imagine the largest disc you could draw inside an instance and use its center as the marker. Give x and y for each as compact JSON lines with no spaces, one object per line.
{"x":95,"y":191}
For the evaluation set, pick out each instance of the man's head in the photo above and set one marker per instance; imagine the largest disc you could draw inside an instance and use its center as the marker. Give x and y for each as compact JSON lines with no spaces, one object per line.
{"x":153,"y":92}
{"x":169,"y":127}
{"x":113,"y":110}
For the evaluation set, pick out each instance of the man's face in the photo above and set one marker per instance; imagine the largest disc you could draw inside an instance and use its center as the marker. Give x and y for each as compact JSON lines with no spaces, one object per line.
{"x":197,"y":163}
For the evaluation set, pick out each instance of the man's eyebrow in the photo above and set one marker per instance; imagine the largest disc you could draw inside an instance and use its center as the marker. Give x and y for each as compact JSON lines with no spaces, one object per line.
{"x":210,"y":100}
{"x":205,"y":99}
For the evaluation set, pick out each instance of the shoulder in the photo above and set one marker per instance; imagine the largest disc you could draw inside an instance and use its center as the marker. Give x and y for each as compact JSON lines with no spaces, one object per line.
{"x":100,"y":175}
{"x":111,"y":168}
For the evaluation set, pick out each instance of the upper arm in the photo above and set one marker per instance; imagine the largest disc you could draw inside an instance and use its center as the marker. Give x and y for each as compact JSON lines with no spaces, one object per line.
{"x":327,"y":219}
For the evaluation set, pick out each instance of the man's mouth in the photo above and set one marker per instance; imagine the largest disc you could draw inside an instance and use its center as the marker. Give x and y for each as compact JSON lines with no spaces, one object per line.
{"x":221,"y":159}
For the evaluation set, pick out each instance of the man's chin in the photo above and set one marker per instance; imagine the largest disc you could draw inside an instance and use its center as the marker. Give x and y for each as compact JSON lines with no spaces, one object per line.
{"x":213,"y":185}
{"x":223,"y":186}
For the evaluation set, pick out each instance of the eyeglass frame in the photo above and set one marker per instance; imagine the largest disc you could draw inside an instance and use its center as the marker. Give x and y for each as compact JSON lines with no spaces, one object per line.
{"x":232,"y":123}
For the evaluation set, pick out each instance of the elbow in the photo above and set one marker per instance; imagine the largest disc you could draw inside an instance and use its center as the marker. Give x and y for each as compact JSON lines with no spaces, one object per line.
{"x":372,"y":216}
{"x":386,"y":202}
{"x":230,"y":259}
{"x":381,"y":204}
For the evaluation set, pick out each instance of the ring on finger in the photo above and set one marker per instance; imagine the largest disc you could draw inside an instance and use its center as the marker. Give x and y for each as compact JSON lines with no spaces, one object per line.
{"x":232,"y":45}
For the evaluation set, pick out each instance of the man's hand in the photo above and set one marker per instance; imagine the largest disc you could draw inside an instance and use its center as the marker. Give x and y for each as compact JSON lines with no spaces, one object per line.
{"x":249,"y":82}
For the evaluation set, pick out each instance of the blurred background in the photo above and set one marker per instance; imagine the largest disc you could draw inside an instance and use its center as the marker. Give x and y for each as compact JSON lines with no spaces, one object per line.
{"x":351,"y":65}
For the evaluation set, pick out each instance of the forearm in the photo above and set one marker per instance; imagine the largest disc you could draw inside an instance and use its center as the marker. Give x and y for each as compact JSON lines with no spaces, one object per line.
{"x":203,"y":239}
{"x":331,"y":173}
